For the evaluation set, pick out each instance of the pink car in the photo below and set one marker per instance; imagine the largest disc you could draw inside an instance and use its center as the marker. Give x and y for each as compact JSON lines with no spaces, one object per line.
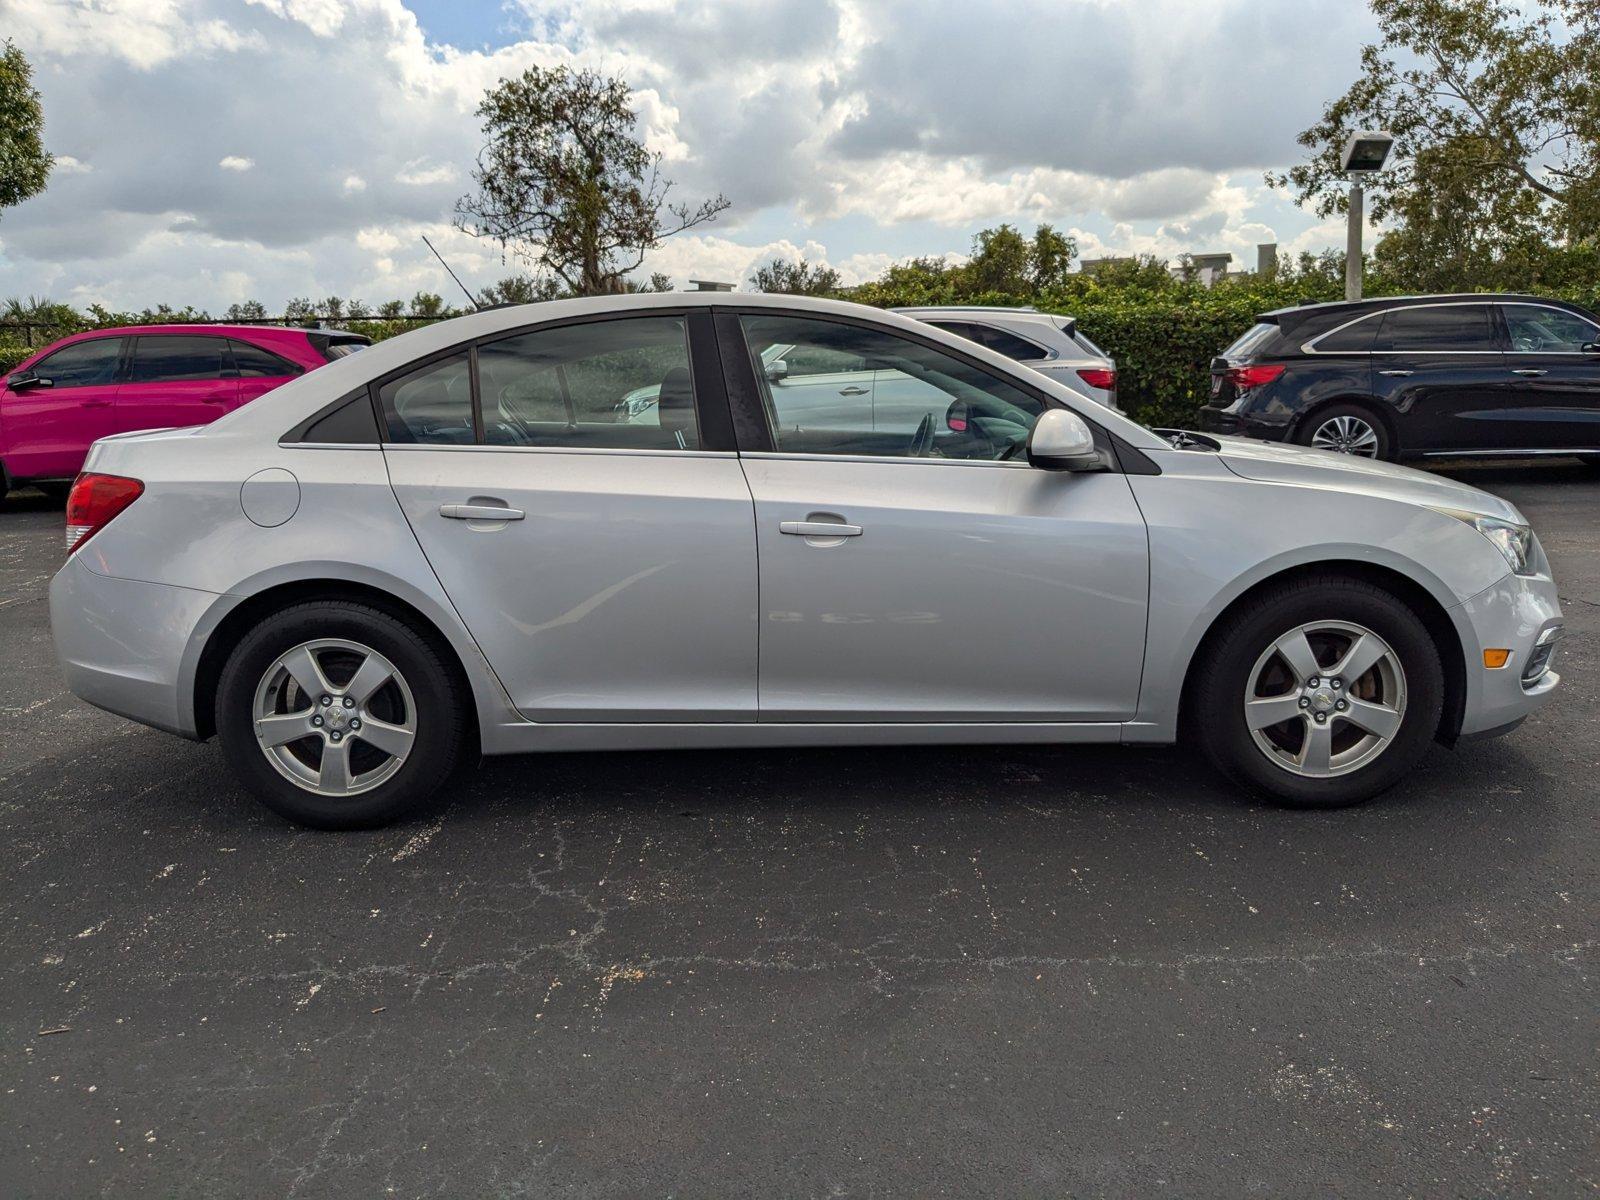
{"x":92,"y":385}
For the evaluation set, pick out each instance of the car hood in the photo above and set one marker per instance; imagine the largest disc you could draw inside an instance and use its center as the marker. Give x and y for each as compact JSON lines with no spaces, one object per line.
{"x":1271,"y":462}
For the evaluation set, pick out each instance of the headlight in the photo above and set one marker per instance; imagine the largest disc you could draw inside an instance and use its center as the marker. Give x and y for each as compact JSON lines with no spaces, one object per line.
{"x":1514,"y":541}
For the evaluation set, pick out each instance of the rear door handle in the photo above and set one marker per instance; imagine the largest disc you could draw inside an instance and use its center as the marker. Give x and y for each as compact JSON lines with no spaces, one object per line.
{"x":823,"y":529}
{"x":480,"y":512}
{"x":853,"y":391}
{"x":1529,"y":371}
{"x":1400,"y":374}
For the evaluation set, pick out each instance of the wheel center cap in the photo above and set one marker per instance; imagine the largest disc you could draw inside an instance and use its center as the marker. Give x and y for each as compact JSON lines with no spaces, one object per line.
{"x":1322,"y":700}
{"x":337,"y":718}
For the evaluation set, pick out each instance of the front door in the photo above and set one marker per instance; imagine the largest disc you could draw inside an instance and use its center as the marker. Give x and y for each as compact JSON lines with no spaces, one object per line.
{"x":604,"y":560}
{"x":1558,"y":385}
{"x":176,"y":379}
{"x":926,"y":573}
{"x":48,"y":425}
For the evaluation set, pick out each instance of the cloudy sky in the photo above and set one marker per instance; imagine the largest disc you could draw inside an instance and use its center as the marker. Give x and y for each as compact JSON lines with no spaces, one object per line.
{"x":211,"y":151}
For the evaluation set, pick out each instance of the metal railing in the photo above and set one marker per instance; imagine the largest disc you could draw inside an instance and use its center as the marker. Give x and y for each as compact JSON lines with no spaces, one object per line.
{"x":318,"y":322}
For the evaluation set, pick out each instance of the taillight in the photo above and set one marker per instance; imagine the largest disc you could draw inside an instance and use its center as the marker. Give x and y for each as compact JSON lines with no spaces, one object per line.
{"x":94,"y":501}
{"x":1104,"y":378}
{"x":1245,"y":378}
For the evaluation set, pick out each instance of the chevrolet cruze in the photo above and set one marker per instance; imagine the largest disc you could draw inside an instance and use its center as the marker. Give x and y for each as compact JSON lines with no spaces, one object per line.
{"x":469,"y":539}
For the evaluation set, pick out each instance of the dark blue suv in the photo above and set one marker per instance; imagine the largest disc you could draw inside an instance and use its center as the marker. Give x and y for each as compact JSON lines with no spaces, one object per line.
{"x":1414,"y":376}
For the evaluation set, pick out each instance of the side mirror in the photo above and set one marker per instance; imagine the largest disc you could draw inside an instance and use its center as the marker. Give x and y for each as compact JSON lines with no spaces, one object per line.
{"x":776,"y":371}
{"x":958,"y":416}
{"x":1591,"y":348}
{"x":23,"y":380}
{"x":1062,"y":441}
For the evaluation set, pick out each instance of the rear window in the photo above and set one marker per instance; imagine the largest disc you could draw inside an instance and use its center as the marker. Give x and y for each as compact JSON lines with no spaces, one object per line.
{"x":1449,"y":327}
{"x":1254,"y":338}
{"x":175,"y":358}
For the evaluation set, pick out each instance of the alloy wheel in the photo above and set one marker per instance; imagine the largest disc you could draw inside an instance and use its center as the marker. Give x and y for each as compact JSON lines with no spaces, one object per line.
{"x":334,"y":717}
{"x":1346,"y":434}
{"x":1325,"y":699}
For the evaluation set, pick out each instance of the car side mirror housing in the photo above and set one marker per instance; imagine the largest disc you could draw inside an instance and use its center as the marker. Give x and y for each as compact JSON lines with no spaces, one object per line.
{"x":1591,"y":348}
{"x":23,"y":380}
{"x":776,"y":371}
{"x":1062,"y":441}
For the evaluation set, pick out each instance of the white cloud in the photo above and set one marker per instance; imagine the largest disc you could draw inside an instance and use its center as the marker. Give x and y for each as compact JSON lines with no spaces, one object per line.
{"x":870,"y":129}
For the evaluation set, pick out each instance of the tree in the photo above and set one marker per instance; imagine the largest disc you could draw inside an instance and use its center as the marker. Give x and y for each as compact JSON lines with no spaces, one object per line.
{"x":564,"y":182}
{"x":1005,"y":261}
{"x":1495,"y":108}
{"x":24,"y":162}
{"x":519,"y":289}
{"x":250,"y":310}
{"x":795,"y":278}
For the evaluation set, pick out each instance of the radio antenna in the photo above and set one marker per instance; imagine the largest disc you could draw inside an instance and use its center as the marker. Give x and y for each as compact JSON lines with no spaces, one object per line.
{"x":476,"y":307}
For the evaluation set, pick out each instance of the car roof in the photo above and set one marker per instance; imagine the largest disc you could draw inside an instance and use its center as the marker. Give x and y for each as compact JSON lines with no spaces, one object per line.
{"x":1373,"y":303}
{"x":193,"y":328}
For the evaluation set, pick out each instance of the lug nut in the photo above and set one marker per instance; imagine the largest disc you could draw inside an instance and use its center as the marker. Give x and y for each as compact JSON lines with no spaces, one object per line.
{"x":1336,"y":684}
{"x":327,"y":700}
{"x":356,"y":724}
{"x":336,"y":735}
{"x":348,"y":703}
{"x":1304,"y":702}
{"x":1321,"y":717}
{"x":1342,"y":705}
{"x":1313,"y":682}
{"x":317,"y":721}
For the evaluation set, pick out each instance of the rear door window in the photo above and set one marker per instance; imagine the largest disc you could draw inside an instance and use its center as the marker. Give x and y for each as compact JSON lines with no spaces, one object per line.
{"x":432,"y":405}
{"x":177,"y":358}
{"x":252,"y":362}
{"x":82,"y":364}
{"x":998,"y":340}
{"x":1451,"y":328}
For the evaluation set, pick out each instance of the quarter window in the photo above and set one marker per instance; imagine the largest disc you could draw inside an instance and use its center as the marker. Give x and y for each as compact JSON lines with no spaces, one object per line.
{"x":1535,"y":329}
{"x":432,"y":405}
{"x":1441,"y":327}
{"x":82,"y":364}
{"x":1352,"y":339}
{"x":175,"y":358}
{"x":906,"y":399}
{"x":620,"y":384}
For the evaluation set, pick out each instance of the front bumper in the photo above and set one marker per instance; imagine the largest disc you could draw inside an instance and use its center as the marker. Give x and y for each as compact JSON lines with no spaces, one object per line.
{"x":125,"y":646}
{"x":1522,"y":615}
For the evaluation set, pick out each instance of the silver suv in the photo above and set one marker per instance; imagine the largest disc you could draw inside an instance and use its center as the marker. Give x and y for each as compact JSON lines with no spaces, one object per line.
{"x":1044,"y":342}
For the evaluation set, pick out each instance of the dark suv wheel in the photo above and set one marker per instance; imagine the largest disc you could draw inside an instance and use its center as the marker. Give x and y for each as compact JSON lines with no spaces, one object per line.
{"x":1321,"y":692}
{"x":338,"y":715}
{"x":1346,"y":429}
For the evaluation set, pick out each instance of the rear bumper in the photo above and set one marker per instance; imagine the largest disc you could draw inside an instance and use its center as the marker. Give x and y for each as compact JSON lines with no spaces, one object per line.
{"x":122,"y":644}
{"x":1230,"y":424}
{"x":1517,"y":614}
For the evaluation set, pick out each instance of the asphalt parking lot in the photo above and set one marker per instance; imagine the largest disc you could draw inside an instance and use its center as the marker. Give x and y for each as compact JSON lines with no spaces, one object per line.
{"x":918,"y":972}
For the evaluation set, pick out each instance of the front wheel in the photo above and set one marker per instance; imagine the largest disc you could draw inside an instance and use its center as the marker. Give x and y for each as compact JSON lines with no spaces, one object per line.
{"x":1321,"y":693}
{"x":337,"y":715}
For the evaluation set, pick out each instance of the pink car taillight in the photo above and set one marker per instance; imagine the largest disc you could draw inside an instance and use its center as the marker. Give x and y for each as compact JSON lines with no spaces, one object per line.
{"x":94,"y":501}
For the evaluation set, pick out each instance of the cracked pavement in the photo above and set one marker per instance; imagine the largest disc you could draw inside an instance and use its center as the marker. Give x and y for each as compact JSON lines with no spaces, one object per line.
{"x":794,"y":973}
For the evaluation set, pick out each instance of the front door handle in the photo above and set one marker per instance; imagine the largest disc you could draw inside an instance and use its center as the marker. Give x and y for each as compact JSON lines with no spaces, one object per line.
{"x":1529,"y":371}
{"x":480,"y":512}
{"x":852,"y":390}
{"x":822,"y":529}
{"x":1399,"y":374}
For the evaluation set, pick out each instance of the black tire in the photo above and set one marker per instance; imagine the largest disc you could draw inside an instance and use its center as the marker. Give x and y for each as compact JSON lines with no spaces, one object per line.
{"x":55,"y":490}
{"x":1309,"y":427}
{"x":1216,"y":698}
{"x":440,"y":713}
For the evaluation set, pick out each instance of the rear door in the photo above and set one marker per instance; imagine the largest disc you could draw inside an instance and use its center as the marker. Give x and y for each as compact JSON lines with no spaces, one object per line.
{"x":1556,"y":384}
{"x":176,"y":379}
{"x":604,"y":560}
{"x":1442,"y":369}
{"x":48,"y":426}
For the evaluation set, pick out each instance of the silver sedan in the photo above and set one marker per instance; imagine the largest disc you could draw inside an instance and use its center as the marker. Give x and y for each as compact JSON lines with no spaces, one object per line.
{"x":468,"y":538}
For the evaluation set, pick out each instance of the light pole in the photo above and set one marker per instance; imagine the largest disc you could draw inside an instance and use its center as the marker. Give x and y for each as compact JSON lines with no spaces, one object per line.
{"x":1364,"y":154}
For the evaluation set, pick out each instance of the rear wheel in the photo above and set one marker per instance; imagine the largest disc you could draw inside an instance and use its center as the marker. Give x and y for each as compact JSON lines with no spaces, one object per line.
{"x":337,"y":715}
{"x":1347,"y":429}
{"x":1321,"y":693}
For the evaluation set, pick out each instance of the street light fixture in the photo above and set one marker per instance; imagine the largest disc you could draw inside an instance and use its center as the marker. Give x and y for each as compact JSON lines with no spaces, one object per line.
{"x":1364,"y":154}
